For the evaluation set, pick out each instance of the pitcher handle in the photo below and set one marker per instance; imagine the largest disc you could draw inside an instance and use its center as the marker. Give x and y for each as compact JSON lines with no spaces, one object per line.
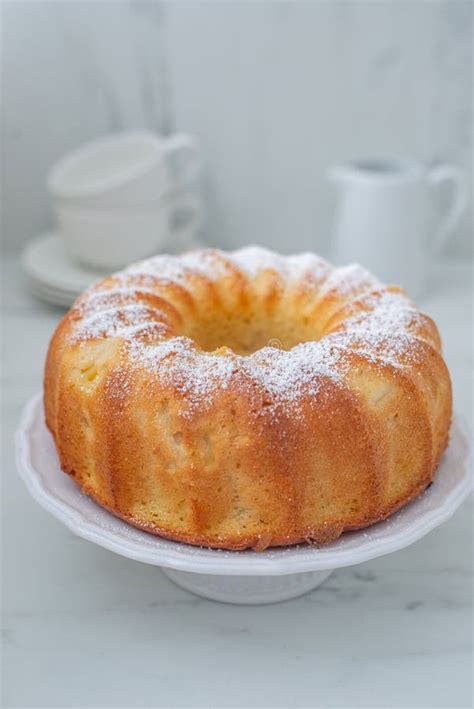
{"x":444,"y":174}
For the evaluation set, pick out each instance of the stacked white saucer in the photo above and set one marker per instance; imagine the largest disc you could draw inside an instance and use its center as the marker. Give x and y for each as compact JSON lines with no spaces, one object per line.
{"x":117,"y":199}
{"x":53,"y":276}
{"x":56,"y":278}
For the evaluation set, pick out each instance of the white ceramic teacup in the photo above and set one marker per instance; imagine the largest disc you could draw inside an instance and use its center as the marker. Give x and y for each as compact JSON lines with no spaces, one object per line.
{"x":385,"y":216}
{"x":110,"y":239}
{"x":124,"y":169}
{"x":114,"y":198}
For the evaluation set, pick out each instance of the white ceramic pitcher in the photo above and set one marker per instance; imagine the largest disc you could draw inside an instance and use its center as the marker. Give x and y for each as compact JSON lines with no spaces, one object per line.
{"x":385,"y":217}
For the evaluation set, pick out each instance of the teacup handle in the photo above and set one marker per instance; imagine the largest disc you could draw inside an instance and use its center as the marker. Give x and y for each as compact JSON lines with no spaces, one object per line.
{"x":183,"y":235}
{"x":449,"y":174}
{"x":189,"y":148}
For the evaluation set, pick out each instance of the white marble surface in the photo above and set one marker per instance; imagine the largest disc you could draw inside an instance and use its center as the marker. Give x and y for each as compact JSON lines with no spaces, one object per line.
{"x":86,"y":628}
{"x":275,"y":91}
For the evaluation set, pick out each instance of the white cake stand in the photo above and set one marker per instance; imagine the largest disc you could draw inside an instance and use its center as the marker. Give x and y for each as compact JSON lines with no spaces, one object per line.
{"x":235,"y":577}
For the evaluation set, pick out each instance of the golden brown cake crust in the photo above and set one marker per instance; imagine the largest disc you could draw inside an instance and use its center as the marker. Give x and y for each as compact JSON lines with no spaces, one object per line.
{"x":247,"y":399}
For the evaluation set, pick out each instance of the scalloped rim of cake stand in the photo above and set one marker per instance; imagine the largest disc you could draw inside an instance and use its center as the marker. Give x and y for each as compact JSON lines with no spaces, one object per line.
{"x":38,"y":466}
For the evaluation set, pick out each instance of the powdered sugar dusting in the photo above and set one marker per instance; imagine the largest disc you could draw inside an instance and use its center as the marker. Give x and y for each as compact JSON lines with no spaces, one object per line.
{"x":253,"y":259}
{"x":308,"y":264}
{"x":174,"y":268}
{"x":383,"y":328}
{"x":280,"y":376}
{"x":177,"y":363}
{"x":349,"y":280}
{"x":114,"y":296}
{"x":387,"y":331}
{"x":121,"y":321}
{"x":285,"y":375}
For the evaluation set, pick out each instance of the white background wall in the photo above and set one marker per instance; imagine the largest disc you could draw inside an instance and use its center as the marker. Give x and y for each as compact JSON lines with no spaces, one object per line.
{"x":276,"y":91}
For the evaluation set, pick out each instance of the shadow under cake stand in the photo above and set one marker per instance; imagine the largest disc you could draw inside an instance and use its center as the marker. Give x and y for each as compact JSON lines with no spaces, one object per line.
{"x":245,"y":577}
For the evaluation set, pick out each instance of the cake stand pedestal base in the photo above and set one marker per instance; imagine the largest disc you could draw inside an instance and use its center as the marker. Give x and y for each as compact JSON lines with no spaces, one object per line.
{"x":248,"y":590}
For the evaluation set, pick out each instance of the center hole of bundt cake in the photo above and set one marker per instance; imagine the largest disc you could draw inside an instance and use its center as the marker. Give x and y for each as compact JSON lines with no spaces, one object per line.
{"x":250,"y":331}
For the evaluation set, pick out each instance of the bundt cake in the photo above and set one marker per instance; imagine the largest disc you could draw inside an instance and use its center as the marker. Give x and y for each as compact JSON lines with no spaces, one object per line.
{"x":247,"y":399}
